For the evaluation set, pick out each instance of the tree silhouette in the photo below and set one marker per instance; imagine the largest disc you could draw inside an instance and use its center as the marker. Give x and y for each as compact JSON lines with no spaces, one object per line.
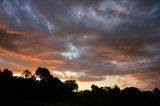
{"x":52,"y":91}
{"x":115,"y":90}
{"x":26,"y":74}
{"x":71,"y":85}
{"x":156,"y":90}
{"x":43,"y":74}
{"x":6,"y":74}
{"x":94,"y":88}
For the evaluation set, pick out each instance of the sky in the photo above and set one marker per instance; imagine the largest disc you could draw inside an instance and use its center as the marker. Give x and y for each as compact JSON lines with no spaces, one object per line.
{"x":102,"y":42}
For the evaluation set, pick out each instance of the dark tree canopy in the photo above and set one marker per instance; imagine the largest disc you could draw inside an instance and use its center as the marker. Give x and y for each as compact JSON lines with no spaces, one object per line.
{"x":26,"y":74}
{"x":43,"y":73}
{"x":71,"y":85}
{"x":28,"y":91}
{"x":6,"y":74}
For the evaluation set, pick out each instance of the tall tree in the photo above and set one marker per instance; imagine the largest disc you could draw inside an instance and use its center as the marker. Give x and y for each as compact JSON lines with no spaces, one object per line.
{"x":26,"y":74}
{"x":43,"y":74}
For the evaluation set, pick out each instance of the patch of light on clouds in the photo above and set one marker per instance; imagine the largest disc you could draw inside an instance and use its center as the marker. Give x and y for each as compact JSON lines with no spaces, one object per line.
{"x":113,"y":5}
{"x":29,"y":10}
{"x":126,"y":81}
{"x":85,"y":36}
{"x":49,"y":25}
{"x":91,"y":12}
{"x":77,"y":13}
{"x":109,"y":20}
{"x":72,"y":53}
{"x":89,"y":15}
{"x":46,"y":21}
{"x":58,"y":73}
{"x":76,"y":74}
{"x":114,"y":62}
{"x":68,"y":74}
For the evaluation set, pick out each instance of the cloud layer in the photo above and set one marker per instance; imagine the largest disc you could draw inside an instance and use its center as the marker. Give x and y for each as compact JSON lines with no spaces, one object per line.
{"x":90,"y":39}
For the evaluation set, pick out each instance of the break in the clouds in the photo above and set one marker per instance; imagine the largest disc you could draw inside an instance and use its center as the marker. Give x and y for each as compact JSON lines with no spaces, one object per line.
{"x":86,"y":40}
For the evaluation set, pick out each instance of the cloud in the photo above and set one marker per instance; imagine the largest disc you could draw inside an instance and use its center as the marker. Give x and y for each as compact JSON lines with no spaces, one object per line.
{"x":142,"y":80}
{"x":80,"y":76}
{"x":104,"y":37}
{"x":72,"y":53}
{"x":25,"y":50}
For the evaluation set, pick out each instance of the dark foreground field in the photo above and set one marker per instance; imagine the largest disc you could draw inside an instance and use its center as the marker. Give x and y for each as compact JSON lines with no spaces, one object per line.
{"x":50,"y":91}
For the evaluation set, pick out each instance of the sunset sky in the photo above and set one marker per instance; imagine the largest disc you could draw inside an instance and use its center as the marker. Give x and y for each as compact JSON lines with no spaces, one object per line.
{"x":102,"y":42}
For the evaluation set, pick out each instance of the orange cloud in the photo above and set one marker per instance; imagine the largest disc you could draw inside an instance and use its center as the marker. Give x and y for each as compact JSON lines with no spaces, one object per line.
{"x":9,"y":30}
{"x":29,"y":57}
{"x":142,"y":80}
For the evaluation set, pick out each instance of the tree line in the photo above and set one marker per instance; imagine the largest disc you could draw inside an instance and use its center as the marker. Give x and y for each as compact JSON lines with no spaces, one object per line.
{"x":43,"y":87}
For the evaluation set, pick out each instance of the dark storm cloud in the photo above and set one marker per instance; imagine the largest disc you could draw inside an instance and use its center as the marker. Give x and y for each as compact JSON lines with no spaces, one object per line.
{"x":96,"y":37}
{"x":5,"y":40}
